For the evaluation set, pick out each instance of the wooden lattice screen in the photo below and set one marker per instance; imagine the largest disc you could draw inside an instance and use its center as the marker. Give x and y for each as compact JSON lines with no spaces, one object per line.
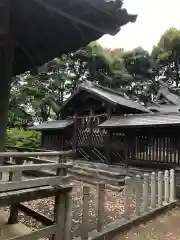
{"x":157,"y":148}
{"x":129,"y":147}
{"x":90,"y":139}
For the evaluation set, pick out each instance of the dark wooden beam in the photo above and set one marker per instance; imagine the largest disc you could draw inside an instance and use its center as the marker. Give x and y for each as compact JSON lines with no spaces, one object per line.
{"x":108,"y":137}
{"x":6,"y":59}
{"x":109,"y":111}
{"x":60,"y":12}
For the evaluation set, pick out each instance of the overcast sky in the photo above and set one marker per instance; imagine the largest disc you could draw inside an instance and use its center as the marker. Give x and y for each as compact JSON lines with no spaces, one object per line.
{"x":154,"y":17}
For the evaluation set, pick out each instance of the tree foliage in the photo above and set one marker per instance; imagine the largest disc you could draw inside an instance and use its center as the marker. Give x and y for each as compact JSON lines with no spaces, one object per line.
{"x":38,"y":95}
{"x":167,"y":55}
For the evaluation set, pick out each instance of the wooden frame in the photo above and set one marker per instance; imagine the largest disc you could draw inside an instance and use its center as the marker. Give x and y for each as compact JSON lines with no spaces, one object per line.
{"x":146,"y":146}
{"x":18,"y":190}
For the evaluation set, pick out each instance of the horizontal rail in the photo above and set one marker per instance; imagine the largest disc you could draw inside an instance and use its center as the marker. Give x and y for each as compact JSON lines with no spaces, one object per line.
{"x":29,"y":183}
{"x":17,"y":168}
{"x":96,"y":183}
{"x":32,"y":154}
{"x":44,"y":232}
{"x":26,"y":149}
{"x":29,"y":194}
{"x":38,"y":160}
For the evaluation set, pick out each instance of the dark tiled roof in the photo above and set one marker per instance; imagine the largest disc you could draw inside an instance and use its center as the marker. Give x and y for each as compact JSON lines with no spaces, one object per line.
{"x":109,"y":95}
{"x":169,"y":96}
{"x":59,"y":124}
{"x":143,"y":120}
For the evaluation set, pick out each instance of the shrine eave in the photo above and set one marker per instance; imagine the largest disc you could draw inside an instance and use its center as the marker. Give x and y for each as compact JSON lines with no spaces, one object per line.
{"x":43,"y":30}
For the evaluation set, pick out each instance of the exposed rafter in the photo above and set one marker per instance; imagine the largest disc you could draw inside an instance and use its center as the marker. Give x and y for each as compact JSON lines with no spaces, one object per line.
{"x":53,"y":9}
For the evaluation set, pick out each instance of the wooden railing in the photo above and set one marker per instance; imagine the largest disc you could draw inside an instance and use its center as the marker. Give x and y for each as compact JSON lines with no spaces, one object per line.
{"x":35,"y":154}
{"x":16,"y":189}
{"x":25,"y":149}
{"x":139,"y":197}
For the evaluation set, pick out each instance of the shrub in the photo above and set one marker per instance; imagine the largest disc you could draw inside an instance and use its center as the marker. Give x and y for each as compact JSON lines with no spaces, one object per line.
{"x":22,"y":138}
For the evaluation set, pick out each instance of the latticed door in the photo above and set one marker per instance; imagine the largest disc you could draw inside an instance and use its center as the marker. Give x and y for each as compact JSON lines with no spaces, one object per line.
{"x":90,"y":138}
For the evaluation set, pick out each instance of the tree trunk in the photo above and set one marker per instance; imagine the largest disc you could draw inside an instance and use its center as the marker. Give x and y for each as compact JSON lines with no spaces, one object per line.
{"x":6,"y":56}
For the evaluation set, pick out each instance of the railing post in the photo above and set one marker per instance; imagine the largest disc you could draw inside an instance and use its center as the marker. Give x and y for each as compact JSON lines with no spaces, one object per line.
{"x":145,"y":192}
{"x":14,"y":176}
{"x":127,"y":189}
{"x":172,"y":185}
{"x":68,"y":217}
{"x":59,"y":215}
{"x":153,"y":189}
{"x":166,"y":187}
{"x":61,"y":171}
{"x":62,"y":209}
{"x":160,"y":188}
{"x":138,"y":187}
{"x":100,"y":205}
{"x":85,"y":213}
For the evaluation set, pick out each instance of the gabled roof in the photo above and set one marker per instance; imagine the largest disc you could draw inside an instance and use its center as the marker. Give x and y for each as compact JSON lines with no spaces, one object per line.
{"x":59,"y":124}
{"x":169,"y":96}
{"x":143,"y":120}
{"x":43,"y":30}
{"x":111,"y":96}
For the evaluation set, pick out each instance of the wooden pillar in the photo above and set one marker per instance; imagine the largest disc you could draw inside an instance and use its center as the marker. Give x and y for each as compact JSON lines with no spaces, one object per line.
{"x":109,"y":112}
{"x":91,"y":136}
{"x":108,"y":138}
{"x":62,"y":214}
{"x":6,"y":57}
{"x":132,"y":145}
{"x":14,"y":208}
{"x":108,"y":147}
{"x":62,"y":210}
{"x":126,"y":149}
{"x":42,"y":140}
{"x":75,"y":135}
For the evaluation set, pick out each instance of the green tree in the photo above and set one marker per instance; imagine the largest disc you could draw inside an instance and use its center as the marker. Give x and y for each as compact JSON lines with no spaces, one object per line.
{"x":167,"y":55}
{"x":18,"y":116}
{"x":103,"y":66}
{"x":94,"y":62}
{"x":38,"y":95}
{"x":142,"y":67}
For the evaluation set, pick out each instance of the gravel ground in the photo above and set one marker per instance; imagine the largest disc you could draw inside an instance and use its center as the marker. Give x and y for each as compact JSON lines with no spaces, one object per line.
{"x":114,"y":208}
{"x":163,"y":227}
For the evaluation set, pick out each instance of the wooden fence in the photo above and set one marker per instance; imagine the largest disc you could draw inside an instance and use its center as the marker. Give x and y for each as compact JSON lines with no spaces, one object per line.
{"x":139,"y":196}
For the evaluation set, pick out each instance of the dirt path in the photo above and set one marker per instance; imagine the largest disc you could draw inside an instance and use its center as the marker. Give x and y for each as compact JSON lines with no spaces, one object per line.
{"x":164,"y":227}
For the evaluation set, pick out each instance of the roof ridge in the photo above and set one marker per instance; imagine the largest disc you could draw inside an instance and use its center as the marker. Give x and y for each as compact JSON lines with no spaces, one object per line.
{"x":121,"y":94}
